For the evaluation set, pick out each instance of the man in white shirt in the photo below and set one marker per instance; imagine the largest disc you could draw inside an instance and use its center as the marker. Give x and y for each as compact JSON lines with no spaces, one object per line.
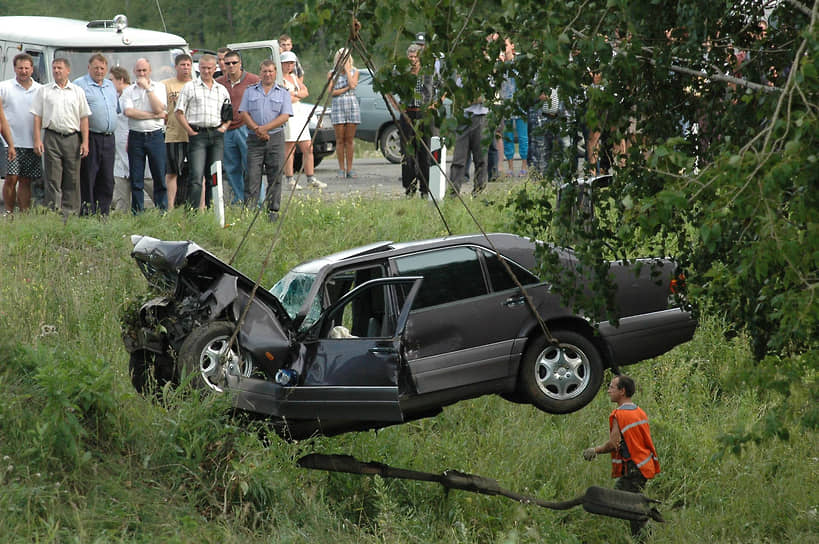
{"x":62,"y":110}
{"x":199,"y":110}
{"x":122,"y":179}
{"x":17,"y":95}
{"x":145,"y":103}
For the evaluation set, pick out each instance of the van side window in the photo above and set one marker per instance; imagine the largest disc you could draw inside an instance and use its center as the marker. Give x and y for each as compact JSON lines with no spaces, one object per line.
{"x":450,"y":275}
{"x":41,"y":71}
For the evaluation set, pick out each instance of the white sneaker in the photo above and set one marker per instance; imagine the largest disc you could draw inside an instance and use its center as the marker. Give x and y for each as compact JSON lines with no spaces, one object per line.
{"x":316,"y":183}
{"x":292,"y":183}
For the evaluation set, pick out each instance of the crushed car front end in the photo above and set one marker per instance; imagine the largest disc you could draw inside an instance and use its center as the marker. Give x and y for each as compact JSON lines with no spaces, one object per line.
{"x":194,"y":289}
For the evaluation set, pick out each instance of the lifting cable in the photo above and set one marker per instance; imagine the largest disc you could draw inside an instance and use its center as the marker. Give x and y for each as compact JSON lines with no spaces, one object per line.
{"x":354,"y":41}
{"x":361,"y":48}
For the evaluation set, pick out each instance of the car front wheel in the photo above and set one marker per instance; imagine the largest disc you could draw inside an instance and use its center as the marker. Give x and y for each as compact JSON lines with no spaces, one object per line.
{"x":390,"y":143}
{"x":208,"y":359}
{"x":563,"y":378}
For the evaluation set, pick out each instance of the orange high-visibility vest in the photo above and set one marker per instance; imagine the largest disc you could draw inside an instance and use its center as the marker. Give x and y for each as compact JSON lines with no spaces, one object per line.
{"x":633,"y":423}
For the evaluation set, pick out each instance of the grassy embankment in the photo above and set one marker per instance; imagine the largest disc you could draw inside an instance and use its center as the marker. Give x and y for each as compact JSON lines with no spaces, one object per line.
{"x":84,"y":459}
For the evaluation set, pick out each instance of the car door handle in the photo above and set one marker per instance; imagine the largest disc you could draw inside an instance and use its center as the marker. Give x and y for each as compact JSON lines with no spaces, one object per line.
{"x":514,"y":301}
{"x":382,"y":349}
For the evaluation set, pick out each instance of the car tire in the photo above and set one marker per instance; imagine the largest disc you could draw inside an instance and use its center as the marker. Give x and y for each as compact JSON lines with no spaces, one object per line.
{"x":205,"y":360}
{"x":150,"y":371}
{"x":563,"y":378}
{"x":390,"y":144}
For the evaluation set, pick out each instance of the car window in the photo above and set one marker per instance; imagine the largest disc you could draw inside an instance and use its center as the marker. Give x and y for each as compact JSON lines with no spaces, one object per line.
{"x":449,"y":274}
{"x":367,"y":315}
{"x":336,"y":286}
{"x":499,"y":277}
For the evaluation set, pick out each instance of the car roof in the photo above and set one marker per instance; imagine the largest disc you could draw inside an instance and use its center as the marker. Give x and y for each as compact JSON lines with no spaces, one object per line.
{"x":59,"y":32}
{"x":516,"y":248}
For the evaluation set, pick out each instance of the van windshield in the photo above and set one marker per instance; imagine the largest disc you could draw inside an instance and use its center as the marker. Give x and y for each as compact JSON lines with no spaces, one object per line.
{"x":162,"y":65}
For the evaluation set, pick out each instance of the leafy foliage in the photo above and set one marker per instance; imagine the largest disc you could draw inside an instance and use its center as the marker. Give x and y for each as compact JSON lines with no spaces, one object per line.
{"x":714,"y":119}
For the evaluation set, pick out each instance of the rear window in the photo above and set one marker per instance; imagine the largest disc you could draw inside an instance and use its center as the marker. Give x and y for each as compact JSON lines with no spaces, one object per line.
{"x":499,"y":277}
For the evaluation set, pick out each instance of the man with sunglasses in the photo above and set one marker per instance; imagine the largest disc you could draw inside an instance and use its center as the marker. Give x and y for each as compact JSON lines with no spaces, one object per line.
{"x":236,"y":80}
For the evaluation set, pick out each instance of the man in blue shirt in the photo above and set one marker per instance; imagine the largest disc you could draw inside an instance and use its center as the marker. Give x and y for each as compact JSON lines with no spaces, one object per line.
{"x":97,"y":169}
{"x":265,"y":108}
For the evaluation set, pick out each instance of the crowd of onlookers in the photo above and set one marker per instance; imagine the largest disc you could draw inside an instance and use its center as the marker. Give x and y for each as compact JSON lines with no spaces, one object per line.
{"x":114,"y":140}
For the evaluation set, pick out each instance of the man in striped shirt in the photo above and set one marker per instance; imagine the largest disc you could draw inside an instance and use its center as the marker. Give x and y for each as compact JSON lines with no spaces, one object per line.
{"x":198,"y":110}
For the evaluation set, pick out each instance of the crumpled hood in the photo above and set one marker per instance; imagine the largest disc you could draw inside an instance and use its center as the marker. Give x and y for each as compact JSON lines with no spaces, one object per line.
{"x":162,"y":255}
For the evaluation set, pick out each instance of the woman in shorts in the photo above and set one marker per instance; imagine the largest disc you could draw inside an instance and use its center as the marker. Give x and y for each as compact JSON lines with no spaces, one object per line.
{"x":346,"y":114}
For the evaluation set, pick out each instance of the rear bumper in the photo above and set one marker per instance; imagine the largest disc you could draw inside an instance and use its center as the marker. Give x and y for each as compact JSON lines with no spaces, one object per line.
{"x":641,"y":337}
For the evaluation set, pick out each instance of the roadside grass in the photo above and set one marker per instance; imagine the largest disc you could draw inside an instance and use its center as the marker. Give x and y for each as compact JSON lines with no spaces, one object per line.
{"x":83,"y":458}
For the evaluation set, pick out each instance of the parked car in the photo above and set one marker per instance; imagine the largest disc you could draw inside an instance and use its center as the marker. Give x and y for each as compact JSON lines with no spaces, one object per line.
{"x":390,"y":332}
{"x":377,"y":124}
{"x":325,"y":140}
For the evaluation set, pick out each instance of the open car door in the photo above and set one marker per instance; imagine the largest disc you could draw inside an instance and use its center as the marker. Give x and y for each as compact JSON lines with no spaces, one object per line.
{"x":339,"y":375}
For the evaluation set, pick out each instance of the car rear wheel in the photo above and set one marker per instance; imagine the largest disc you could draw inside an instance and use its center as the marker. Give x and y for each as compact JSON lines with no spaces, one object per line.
{"x":563,"y":378}
{"x":390,"y":143}
{"x":150,"y":371}
{"x":207,"y":358}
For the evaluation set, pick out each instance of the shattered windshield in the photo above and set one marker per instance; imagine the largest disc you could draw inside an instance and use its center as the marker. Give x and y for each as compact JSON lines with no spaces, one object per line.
{"x":292,"y":291}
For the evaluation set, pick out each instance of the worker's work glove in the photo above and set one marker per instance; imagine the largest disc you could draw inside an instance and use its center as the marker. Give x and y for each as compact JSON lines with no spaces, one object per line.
{"x":589,"y":454}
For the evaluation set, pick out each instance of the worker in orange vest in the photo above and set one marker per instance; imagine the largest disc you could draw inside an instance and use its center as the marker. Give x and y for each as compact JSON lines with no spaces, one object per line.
{"x":633,"y":456}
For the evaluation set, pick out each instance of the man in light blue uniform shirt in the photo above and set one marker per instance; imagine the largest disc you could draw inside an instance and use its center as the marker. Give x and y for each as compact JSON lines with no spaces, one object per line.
{"x":97,"y":169}
{"x":265,"y":108}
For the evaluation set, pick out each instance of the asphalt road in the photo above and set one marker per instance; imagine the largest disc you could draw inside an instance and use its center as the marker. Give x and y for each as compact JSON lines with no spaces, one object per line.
{"x":376,"y":176}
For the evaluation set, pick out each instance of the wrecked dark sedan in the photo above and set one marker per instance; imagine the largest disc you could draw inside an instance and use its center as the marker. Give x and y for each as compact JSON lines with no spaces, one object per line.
{"x":390,"y":332}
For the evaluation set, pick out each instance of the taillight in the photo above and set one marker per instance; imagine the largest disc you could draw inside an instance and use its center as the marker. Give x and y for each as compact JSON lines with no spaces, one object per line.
{"x":677,"y":286}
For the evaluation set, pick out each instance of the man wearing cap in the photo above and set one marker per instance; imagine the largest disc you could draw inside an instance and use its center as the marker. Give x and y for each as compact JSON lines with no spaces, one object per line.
{"x":265,"y":108}
{"x":97,"y":169}
{"x":236,"y":80}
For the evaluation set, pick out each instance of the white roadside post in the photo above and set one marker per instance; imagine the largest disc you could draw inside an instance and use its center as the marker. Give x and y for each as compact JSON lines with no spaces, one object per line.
{"x":437,"y":177}
{"x":216,"y":198}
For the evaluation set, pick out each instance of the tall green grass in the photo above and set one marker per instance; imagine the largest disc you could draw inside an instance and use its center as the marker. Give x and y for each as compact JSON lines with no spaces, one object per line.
{"x":84,"y":459}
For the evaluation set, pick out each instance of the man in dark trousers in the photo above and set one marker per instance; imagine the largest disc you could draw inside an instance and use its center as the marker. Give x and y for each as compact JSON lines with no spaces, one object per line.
{"x":97,"y":168}
{"x":633,"y":456}
{"x":199,"y":110}
{"x":265,"y":108}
